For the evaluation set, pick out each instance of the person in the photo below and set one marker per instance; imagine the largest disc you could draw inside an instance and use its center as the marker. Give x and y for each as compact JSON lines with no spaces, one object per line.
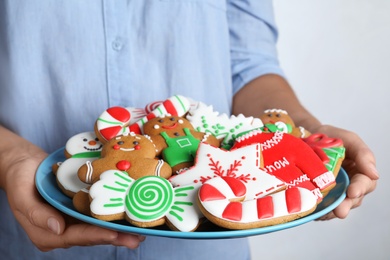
{"x":64,"y":62}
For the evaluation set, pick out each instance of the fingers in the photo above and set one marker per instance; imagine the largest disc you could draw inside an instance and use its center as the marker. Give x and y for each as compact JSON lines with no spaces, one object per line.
{"x":360,"y":185}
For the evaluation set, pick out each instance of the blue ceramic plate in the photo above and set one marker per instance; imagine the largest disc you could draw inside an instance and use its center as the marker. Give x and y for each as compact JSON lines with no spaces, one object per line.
{"x":47,"y":187}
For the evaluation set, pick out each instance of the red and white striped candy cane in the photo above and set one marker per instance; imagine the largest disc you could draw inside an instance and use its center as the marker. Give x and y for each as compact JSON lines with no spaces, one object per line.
{"x":176,"y":106}
{"x":115,"y":121}
{"x":222,"y":201}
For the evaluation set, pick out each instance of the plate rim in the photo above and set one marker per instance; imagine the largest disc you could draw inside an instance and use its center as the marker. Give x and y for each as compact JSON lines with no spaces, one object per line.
{"x":45,"y":168}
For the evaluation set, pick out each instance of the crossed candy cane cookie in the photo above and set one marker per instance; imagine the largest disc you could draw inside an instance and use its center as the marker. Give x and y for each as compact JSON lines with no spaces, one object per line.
{"x":146,"y":202}
{"x":118,"y":120}
{"x":221,"y":200}
{"x":222,"y":126}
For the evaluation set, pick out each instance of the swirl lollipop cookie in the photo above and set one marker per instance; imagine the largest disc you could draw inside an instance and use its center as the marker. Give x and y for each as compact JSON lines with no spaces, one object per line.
{"x":147,"y":202}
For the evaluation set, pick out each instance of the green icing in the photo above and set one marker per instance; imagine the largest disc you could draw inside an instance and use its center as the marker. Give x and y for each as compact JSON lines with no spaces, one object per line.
{"x":86,"y":155}
{"x":149,"y":198}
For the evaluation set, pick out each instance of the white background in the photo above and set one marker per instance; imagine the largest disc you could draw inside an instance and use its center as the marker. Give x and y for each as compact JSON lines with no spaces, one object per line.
{"x":336,"y":54}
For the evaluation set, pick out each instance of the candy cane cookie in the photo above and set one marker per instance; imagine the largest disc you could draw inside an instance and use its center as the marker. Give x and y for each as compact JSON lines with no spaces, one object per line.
{"x":176,"y":106}
{"x":147,"y":202}
{"x":115,"y":121}
{"x":222,"y":201}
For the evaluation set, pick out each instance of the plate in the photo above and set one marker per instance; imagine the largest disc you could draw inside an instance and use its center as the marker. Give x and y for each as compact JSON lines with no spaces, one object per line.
{"x":47,"y":187}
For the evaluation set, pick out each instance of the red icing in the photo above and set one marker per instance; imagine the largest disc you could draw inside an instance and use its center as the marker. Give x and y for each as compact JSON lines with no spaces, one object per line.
{"x":169,"y":126}
{"x":293,"y":200}
{"x":110,"y":132}
{"x":265,"y":207}
{"x":116,"y":147}
{"x":123,"y":165}
{"x":288,"y":158}
{"x":170,"y":107}
{"x":233,"y":211}
{"x":236,"y":186}
{"x":119,"y":113}
{"x":323,"y":141}
{"x":137,"y":147}
{"x":135,"y":128}
{"x":208,"y":192}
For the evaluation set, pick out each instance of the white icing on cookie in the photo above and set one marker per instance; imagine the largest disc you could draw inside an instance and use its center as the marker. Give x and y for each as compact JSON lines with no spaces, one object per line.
{"x":205,"y":119}
{"x":145,"y":200}
{"x":220,"y":199}
{"x":243,"y":164}
{"x":82,"y":148}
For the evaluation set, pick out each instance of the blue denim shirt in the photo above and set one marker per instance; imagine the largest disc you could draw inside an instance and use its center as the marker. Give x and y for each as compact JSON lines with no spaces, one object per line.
{"x":62,"y":63}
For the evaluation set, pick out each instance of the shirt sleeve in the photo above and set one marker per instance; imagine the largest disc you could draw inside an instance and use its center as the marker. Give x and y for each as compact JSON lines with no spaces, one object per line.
{"x":253,"y":37}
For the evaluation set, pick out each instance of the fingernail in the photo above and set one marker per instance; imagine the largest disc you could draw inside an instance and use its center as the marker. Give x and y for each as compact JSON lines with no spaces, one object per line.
{"x":141,"y":238}
{"x":375,"y":171}
{"x":53,"y":225}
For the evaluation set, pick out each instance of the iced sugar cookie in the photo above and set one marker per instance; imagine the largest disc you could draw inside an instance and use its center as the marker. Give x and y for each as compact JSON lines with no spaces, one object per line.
{"x":290,"y":159}
{"x":223,"y":201}
{"x":176,"y":140}
{"x":279,"y":120}
{"x":224,"y":127}
{"x":131,"y":153}
{"x":147,"y":202}
{"x":243,"y":164}
{"x":80,"y":149}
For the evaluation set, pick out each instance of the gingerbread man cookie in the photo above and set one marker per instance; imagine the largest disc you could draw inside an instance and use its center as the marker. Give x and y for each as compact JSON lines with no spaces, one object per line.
{"x":279,"y":120}
{"x":176,"y":140}
{"x":131,"y":153}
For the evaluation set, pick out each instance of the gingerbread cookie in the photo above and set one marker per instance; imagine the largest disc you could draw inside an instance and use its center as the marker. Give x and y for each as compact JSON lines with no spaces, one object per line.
{"x":176,"y":140}
{"x":224,"y":127}
{"x":147,"y":202}
{"x":223,"y":201}
{"x":279,"y":120}
{"x":131,"y":153}
{"x":292,"y":160}
{"x":80,"y":149}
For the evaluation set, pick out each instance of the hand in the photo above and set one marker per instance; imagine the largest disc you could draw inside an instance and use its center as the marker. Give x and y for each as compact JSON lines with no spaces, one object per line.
{"x":46,"y":227}
{"x":359,"y":163}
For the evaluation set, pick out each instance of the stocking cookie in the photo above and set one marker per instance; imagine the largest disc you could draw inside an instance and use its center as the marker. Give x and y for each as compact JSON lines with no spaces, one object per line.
{"x":131,"y":153}
{"x":147,"y":202}
{"x":223,"y":201}
{"x":80,"y":149}
{"x":176,"y":140}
